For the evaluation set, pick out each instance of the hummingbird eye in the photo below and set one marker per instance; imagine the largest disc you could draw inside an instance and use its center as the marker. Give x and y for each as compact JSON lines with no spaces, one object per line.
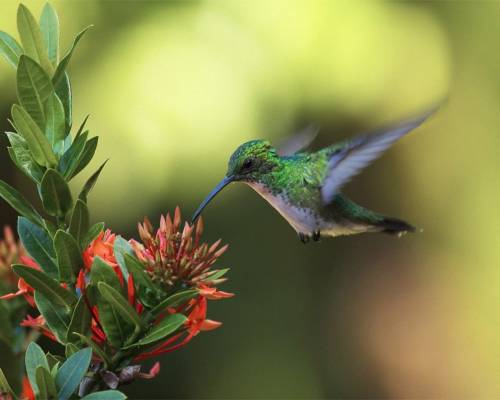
{"x":248,"y":163}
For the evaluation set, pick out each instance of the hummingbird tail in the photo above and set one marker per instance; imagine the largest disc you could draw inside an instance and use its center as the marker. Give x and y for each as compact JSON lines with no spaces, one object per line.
{"x":394,"y":226}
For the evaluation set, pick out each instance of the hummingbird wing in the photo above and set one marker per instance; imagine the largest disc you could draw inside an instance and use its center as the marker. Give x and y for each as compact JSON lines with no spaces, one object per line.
{"x":298,"y":142}
{"x":349,"y":158}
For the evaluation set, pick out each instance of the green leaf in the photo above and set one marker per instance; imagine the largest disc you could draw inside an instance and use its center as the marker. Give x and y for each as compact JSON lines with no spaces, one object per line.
{"x":68,"y":255}
{"x":4,"y":385}
{"x":22,"y":157}
{"x":56,"y":316}
{"x":101,"y":271}
{"x":55,"y":126}
{"x":32,"y":39}
{"x":94,"y":231}
{"x":70,"y":349}
{"x":33,"y":89}
{"x":55,"y":194}
{"x":91,"y":182}
{"x":63,"y":91}
{"x":95,"y":348}
{"x":17,"y":201}
{"x":46,"y":285}
{"x":80,"y":321}
{"x":167,"y":325}
{"x":79,"y":223}
{"x":105,"y":395}
{"x":34,"y":358}
{"x":82,"y":126}
{"x":10,"y":49}
{"x":49,"y":25}
{"x":121,"y":247}
{"x":147,"y":291}
{"x":86,"y":156}
{"x":72,"y":372}
{"x":61,"y":68}
{"x":37,"y":143}
{"x":217,"y":274}
{"x":174,"y":300}
{"x":39,"y":245}
{"x":45,"y":383}
{"x":69,"y":160}
{"x":121,"y":305}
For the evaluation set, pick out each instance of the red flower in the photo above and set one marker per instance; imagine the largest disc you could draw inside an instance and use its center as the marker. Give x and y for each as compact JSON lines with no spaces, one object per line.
{"x":27,"y":390}
{"x":39,"y":324}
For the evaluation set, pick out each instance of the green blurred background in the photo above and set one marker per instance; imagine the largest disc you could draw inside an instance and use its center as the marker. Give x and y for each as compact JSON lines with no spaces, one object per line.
{"x":174,"y":87}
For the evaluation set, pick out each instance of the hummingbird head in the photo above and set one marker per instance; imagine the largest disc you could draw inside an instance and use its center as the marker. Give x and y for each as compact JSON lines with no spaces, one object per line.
{"x":248,"y":163}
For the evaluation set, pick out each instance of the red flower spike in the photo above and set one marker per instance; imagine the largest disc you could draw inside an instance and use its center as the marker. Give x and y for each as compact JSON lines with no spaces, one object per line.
{"x":27,"y":390}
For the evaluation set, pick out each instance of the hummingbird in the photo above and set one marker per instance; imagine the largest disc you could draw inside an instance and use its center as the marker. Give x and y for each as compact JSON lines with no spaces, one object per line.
{"x":305,"y":187}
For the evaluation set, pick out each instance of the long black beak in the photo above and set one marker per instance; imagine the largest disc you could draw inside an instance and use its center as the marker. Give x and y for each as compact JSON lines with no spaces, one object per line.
{"x":222,"y":184}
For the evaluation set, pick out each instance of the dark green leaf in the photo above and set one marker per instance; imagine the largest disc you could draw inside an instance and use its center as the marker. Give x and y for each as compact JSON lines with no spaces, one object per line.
{"x":121,"y":247}
{"x":105,"y":395}
{"x":79,"y":223}
{"x":45,"y":383}
{"x":91,"y":182}
{"x":19,"y":203}
{"x":55,"y":194}
{"x":39,"y":245}
{"x":34,"y":358}
{"x":147,"y":291}
{"x":82,"y":126}
{"x":49,"y":25}
{"x":69,"y":258}
{"x":70,"y":349}
{"x":10,"y":49}
{"x":95,"y":348}
{"x":22,"y":157}
{"x":69,"y":160}
{"x":101,"y":271}
{"x":87,"y":155}
{"x":61,"y":68}
{"x":4,"y":385}
{"x":72,"y":372}
{"x":56,"y":315}
{"x":94,"y":231}
{"x":46,"y":286}
{"x":50,"y":228}
{"x":63,"y":91}
{"x":174,"y":300}
{"x":32,"y":39}
{"x":55,"y":126}
{"x":37,"y":142}
{"x":167,"y":325}
{"x":121,"y":305}
{"x":80,"y":321}
{"x":33,"y":89}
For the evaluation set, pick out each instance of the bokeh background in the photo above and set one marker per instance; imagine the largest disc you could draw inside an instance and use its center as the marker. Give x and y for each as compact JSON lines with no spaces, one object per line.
{"x":173,"y":87}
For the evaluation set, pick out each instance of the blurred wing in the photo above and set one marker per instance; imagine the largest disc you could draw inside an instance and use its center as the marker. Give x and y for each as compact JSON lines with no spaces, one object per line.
{"x":356,"y":154}
{"x":298,"y":142}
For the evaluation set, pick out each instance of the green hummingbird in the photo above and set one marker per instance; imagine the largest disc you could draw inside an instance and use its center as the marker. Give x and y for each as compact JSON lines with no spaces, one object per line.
{"x":305,"y":187}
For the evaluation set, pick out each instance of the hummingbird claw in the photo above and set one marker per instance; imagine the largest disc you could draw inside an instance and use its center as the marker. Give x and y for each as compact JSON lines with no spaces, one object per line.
{"x":316,"y":235}
{"x":304,"y":238}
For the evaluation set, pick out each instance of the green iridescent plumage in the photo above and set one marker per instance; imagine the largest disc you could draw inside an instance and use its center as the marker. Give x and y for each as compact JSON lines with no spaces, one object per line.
{"x":305,"y":187}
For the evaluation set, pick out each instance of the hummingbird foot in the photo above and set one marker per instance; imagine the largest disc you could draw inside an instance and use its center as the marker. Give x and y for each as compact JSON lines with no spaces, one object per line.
{"x":304,"y":238}
{"x":316,"y":235}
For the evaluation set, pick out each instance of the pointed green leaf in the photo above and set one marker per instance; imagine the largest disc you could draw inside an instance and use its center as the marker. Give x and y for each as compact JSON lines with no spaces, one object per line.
{"x":91,"y":182}
{"x":68,"y":255}
{"x":72,"y":372}
{"x":34,"y":358}
{"x":167,"y":326}
{"x":39,"y":245}
{"x":32,"y":39}
{"x":121,"y":305}
{"x":79,"y":223}
{"x":69,"y":160}
{"x":17,"y":201}
{"x":82,"y":126}
{"x":63,"y":91}
{"x":101,"y":271}
{"x":95,"y":348}
{"x":4,"y":385}
{"x":33,"y":89}
{"x":86,"y":156}
{"x":55,"y":314}
{"x":80,"y":321}
{"x":45,"y":383}
{"x":55,"y":194}
{"x":49,"y":25}
{"x":94,"y":231}
{"x":61,"y":68}
{"x":105,"y":395}
{"x":121,"y":247}
{"x":10,"y":49}
{"x":70,"y":349}
{"x":174,"y":300}
{"x":147,"y":291}
{"x":37,"y":142}
{"x":22,"y":157}
{"x":55,"y":126}
{"x":46,"y":286}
